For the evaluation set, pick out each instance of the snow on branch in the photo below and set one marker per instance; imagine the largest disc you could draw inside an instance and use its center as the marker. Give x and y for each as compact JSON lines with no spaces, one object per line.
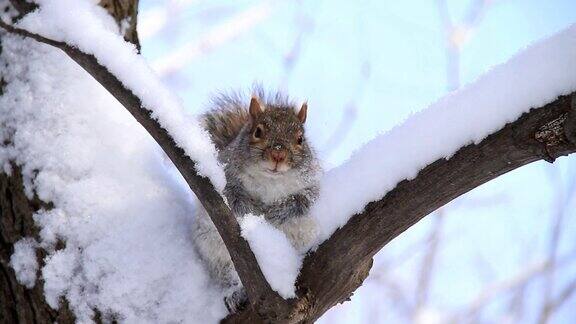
{"x":532,"y":78}
{"x":520,"y":112}
{"x":126,"y":76}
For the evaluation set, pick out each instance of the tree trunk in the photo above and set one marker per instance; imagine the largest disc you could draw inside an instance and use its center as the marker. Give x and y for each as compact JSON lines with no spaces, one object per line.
{"x":19,"y":304}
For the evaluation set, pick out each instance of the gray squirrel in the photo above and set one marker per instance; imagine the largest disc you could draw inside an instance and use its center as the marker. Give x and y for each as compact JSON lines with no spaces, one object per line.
{"x":270,"y":169}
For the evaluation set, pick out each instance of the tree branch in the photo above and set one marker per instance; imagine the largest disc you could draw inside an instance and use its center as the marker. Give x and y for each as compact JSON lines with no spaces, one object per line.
{"x":339,"y":266}
{"x":342,"y":259}
{"x":263,"y":299}
{"x":570,"y":127}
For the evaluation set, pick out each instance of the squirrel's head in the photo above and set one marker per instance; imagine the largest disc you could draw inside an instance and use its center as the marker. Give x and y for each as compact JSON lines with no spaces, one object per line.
{"x":276,"y":137}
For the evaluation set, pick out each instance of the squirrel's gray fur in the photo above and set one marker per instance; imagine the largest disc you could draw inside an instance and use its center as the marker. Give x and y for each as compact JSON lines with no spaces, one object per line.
{"x":283,"y":195}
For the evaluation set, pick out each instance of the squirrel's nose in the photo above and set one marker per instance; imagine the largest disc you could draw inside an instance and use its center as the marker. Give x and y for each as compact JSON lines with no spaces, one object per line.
{"x":278,"y":154}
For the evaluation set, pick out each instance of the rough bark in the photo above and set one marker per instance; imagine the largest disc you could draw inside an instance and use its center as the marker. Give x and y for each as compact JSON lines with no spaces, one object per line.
{"x":19,"y":304}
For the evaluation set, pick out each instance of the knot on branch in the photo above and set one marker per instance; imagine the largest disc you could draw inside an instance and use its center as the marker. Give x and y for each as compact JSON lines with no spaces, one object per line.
{"x":552,"y":134}
{"x":570,"y":123}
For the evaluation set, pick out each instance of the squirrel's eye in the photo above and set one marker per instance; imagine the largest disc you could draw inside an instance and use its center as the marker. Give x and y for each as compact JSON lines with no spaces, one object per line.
{"x":258,"y":132}
{"x":300,"y":140}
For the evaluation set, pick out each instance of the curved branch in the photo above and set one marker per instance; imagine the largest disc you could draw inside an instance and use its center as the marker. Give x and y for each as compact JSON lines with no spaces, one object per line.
{"x":339,"y":266}
{"x":536,"y":135}
{"x":263,"y":298}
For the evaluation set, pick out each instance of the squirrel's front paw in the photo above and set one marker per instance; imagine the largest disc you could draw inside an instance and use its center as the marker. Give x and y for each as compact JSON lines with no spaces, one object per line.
{"x":237,"y":301}
{"x":301,"y":231}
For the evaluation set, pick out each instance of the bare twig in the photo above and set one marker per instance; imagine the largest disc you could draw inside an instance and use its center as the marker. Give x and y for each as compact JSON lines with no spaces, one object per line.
{"x":516,"y":282}
{"x":456,"y":35}
{"x":555,"y":233}
{"x":556,"y":303}
{"x":351,"y":108}
{"x":563,"y":199}
{"x":232,"y":28}
{"x":428,"y":262}
{"x":350,"y":114}
{"x":304,"y":25}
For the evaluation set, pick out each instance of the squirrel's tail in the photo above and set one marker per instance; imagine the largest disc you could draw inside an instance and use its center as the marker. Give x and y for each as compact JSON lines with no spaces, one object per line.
{"x":226,"y":118}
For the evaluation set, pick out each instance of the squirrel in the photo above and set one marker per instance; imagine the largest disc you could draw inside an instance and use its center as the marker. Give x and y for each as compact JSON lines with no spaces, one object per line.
{"x":270,"y":170}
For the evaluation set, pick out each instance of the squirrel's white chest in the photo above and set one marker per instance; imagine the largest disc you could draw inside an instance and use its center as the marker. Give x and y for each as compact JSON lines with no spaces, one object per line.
{"x":270,"y":189}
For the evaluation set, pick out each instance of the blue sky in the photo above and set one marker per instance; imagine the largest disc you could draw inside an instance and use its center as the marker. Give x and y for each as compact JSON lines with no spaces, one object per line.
{"x":402,"y":46}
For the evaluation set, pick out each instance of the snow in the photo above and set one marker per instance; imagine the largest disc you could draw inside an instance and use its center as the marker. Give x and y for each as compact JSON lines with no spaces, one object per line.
{"x":532,"y":78}
{"x":24,"y":262}
{"x":93,"y":31}
{"x":124,"y":214}
{"x":278,"y":259}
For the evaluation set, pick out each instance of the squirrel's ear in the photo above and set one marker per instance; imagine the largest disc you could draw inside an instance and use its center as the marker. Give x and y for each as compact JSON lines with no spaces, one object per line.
{"x":302,"y":112}
{"x":255,"y":107}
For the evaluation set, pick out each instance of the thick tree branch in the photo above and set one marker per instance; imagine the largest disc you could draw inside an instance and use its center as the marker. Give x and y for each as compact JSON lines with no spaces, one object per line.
{"x":263,"y":298}
{"x":536,"y":135}
{"x":339,"y":266}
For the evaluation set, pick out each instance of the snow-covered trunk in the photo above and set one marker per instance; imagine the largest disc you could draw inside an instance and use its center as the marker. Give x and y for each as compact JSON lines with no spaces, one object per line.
{"x":22,"y":300}
{"x":19,"y":304}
